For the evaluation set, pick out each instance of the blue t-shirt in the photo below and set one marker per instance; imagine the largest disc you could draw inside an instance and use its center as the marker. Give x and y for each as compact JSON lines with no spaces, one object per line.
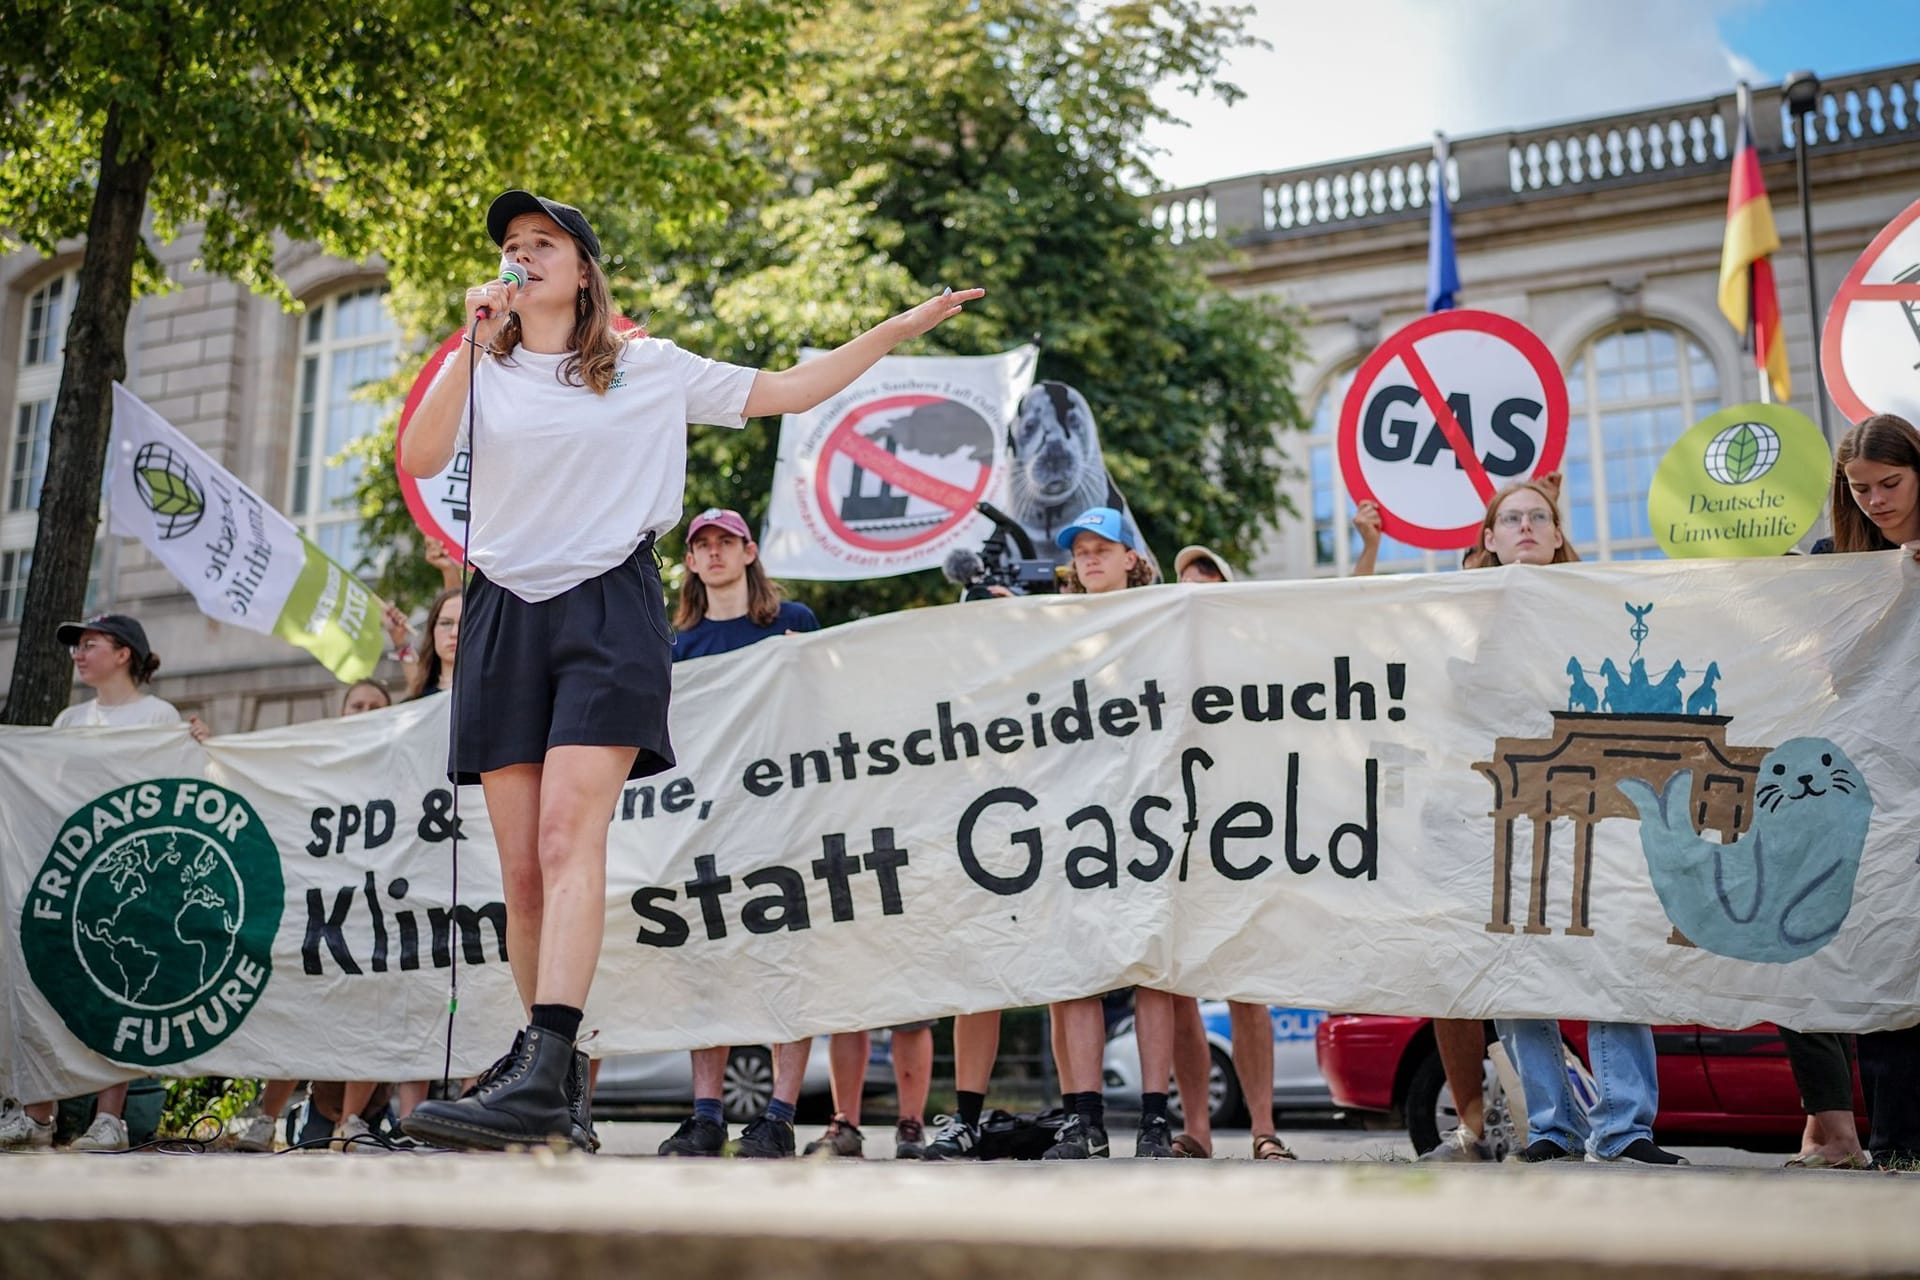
{"x":710,"y":637}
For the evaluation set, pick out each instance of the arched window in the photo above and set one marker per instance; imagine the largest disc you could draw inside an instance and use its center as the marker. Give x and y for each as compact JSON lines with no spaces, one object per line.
{"x":1335,"y":544}
{"x":23,"y":466}
{"x":1633,"y":392}
{"x":346,"y":342}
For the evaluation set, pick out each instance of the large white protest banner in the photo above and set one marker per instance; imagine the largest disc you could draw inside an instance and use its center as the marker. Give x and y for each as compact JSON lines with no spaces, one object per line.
{"x":1681,"y":792}
{"x":882,"y":479}
{"x":243,"y":561}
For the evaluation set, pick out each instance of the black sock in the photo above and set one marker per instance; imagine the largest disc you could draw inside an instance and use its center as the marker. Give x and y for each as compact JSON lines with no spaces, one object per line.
{"x":561,"y":1019}
{"x":1093,"y":1109}
{"x":1070,"y":1103}
{"x":969,"y":1105}
{"x":1153,"y":1106}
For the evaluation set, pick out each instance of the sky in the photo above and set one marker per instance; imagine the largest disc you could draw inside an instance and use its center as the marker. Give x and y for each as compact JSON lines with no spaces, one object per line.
{"x":1351,"y":77}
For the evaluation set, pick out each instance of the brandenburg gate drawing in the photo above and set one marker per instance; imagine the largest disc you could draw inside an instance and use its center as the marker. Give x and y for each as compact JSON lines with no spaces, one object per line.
{"x":1571,"y":776}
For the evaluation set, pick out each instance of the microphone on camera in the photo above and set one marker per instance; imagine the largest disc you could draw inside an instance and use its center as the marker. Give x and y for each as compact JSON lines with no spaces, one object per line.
{"x":511,"y":273}
{"x":963,"y":567}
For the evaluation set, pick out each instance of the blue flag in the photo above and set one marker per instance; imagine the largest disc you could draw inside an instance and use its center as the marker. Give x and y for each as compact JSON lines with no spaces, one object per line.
{"x":1443,"y":273}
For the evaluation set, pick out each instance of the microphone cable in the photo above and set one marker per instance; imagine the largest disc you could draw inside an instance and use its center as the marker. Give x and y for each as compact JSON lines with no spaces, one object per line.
{"x":453,"y":707}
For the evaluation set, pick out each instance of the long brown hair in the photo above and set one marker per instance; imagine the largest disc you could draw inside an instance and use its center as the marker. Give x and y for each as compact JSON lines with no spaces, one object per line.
{"x":1481,"y":558}
{"x":1885,"y":439}
{"x":593,"y":349}
{"x":426,"y":672}
{"x":763,"y":598}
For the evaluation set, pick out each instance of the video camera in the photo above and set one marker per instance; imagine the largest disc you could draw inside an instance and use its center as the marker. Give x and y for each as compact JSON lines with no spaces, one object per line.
{"x":1005,"y":559}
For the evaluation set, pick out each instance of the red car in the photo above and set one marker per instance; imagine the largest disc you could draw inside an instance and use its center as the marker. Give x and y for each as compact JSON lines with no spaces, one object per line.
{"x":1717,"y":1088}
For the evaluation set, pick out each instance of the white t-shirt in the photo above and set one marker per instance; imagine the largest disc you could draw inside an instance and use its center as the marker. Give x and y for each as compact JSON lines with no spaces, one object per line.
{"x":566,"y":483}
{"x":145,"y":709}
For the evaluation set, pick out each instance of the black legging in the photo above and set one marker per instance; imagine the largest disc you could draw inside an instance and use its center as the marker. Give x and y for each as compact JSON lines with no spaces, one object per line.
{"x":1822,"y":1069}
{"x":1889,"y":1079}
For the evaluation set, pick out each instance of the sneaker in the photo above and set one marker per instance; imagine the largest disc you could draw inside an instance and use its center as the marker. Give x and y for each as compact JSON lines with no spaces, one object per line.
{"x":1155,"y":1141}
{"x":1459,"y":1146}
{"x":21,"y":1132}
{"x":1639,"y":1151}
{"x":909,"y":1140}
{"x":346,"y":1131}
{"x":1078,"y":1140}
{"x":765,"y":1139}
{"x":1542,"y":1150}
{"x":106,"y":1133}
{"x":695,"y":1137}
{"x":953,"y":1139}
{"x":842,"y":1138}
{"x":253,"y":1131}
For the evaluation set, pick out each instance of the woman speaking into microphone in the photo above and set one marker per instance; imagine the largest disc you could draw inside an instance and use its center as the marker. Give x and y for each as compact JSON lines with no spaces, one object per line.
{"x":578,"y":438}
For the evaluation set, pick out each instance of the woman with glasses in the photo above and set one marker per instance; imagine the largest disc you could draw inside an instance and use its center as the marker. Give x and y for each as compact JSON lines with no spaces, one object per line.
{"x":1522,"y":527}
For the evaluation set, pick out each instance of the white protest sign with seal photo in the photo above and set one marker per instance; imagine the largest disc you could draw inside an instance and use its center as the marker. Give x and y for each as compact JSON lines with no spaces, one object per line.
{"x":883,"y":478}
{"x":1444,"y":413}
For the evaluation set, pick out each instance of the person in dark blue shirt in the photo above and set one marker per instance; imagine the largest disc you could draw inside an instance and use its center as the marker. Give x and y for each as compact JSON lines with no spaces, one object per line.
{"x":727,"y":602}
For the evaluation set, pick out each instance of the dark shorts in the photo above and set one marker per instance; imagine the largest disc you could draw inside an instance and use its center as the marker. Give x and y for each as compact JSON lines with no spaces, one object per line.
{"x":593,"y":667}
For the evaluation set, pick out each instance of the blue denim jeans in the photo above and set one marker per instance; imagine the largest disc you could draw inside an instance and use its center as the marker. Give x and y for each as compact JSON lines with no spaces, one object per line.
{"x":1621,"y":1055}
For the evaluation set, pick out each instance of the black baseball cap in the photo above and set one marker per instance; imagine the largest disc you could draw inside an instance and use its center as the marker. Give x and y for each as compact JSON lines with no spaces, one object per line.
{"x":126,"y":630}
{"x":509,"y":205}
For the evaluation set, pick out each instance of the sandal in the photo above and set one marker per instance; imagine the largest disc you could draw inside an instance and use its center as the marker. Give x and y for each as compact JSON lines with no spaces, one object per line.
{"x":1187,"y":1145}
{"x":1814,"y":1160}
{"x":1268,"y":1147}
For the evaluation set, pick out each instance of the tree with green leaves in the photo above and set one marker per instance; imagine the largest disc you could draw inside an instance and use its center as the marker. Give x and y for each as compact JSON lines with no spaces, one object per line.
{"x":999,"y":143}
{"x":369,"y":128}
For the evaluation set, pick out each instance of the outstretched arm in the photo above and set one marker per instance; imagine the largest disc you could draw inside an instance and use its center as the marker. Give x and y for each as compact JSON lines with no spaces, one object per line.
{"x":800,"y":388}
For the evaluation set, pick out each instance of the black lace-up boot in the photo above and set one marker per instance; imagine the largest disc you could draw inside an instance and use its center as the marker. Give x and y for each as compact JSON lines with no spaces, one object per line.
{"x":525,"y":1103}
{"x":580,"y":1105}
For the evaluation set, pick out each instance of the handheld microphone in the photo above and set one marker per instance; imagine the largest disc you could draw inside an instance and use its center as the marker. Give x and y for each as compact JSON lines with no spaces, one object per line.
{"x":511,"y":273}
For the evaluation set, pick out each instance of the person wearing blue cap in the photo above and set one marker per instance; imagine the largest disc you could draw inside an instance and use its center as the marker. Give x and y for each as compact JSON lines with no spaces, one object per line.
{"x":577,"y":437}
{"x":1107,"y":557}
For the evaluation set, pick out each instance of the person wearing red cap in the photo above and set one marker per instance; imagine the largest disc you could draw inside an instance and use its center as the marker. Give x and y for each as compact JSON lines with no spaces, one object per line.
{"x":577,"y":437}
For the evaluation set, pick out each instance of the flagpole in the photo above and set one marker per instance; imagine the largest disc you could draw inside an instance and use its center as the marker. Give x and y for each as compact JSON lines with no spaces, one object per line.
{"x":1803,"y":92}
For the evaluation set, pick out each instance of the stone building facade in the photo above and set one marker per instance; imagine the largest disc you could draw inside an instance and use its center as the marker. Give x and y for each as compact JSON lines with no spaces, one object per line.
{"x":1602,"y":236}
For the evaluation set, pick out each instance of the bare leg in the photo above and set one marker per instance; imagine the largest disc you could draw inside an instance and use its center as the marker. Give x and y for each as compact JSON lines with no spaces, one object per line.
{"x":41,"y":1112}
{"x":409,"y":1094}
{"x":579,"y":787}
{"x":111,"y":1101}
{"x":513,"y":810}
{"x":847,"y":1058}
{"x":1832,"y":1134}
{"x":709,"y":1071}
{"x":274,"y":1095}
{"x":790,"y":1069}
{"x":1463,"y":1047}
{"x":1253,"y":1061}
{"x":976,"y":1043}
{"x":913,"y":1070}
{"x":1153,"y":1032}
{"x":1079,"y":1037}
{"x":1192,"y":1065}
{"x":354,"y":1097}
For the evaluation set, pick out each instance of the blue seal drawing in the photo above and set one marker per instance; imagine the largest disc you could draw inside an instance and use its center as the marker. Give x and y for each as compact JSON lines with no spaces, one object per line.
{"x":1782,"y":890}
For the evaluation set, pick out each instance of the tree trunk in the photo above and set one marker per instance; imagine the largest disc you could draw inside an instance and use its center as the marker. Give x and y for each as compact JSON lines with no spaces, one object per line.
{"x":95,"y":358}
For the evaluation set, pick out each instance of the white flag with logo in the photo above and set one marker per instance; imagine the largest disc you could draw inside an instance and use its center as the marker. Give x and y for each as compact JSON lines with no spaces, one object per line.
{"x":243,"y":561}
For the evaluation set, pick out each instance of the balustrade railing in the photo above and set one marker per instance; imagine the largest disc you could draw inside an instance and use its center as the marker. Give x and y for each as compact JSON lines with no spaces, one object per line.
{"x":1867,"y":109}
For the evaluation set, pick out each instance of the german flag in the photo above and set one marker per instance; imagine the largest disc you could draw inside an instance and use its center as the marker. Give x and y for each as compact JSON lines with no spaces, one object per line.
{"x":1747,"y":296}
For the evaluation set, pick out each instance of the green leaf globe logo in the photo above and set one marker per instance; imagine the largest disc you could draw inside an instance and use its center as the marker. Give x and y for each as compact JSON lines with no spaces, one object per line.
{"x":169,"y":489}
{"x":1742,"y":453}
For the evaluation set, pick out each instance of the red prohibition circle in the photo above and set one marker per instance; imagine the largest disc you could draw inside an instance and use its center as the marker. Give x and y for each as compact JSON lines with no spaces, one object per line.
{"x":410,"y":485}
{"x":846,"y":438}
{"x":1400,"y":345}
{"x":1855,"y":289}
